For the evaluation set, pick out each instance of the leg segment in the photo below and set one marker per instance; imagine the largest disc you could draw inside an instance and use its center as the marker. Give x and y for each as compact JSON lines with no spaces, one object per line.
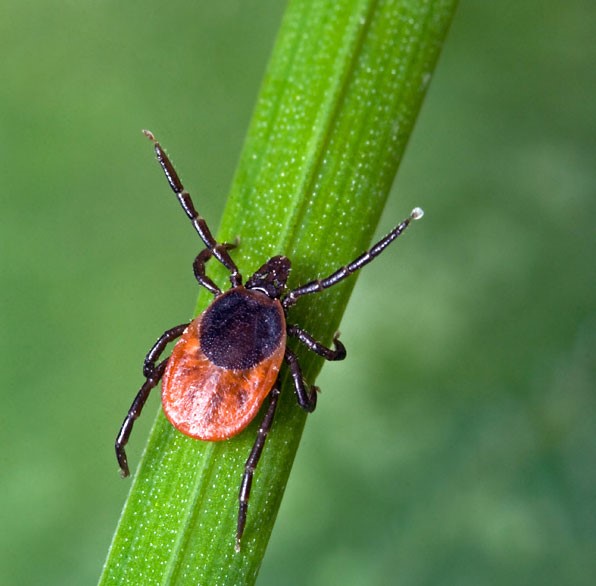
{"x":339,"y":353}
{"x":158,"y":348}
{"x":307,"y":399}
{"x":153,"y":374}
{"x":220,"y":252}
{"x":199,"y":269}
{"x":133,"y":414}
{"x":251,"y":463}
{"x":320,"y":284}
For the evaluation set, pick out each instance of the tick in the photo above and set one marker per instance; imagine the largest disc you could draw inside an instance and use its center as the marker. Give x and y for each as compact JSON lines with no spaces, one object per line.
{"x":227,"y":360}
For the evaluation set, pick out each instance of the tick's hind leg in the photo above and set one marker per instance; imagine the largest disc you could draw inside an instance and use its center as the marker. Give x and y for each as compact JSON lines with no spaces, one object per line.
{"x":199,"y":267}
{"x":338,"y":353}
{"x":153,"y":373}
{"x":251,"y":463}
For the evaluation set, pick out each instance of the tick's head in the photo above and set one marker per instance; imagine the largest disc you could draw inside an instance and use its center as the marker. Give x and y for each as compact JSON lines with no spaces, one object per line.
{"x":272,"y":277}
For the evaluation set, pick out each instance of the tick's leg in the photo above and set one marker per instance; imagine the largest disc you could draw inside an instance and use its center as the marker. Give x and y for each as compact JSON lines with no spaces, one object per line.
{"x":133,"y":414}
{"x":307,"y":398}
{"x":153,"y":374}
{"x":157,"y":350}
{"x":339,"y":353}
{"x":251,"y":463}
{"x":320,"y":284}
{"x":199,"y":268}
{"x":220,"y":251}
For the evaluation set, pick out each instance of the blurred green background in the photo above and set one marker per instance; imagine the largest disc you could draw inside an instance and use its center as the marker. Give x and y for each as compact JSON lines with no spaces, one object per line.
{"x":457,"y":444}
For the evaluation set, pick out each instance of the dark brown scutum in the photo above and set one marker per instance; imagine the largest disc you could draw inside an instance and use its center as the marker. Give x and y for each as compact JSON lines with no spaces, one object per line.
{"x":241,"y":328}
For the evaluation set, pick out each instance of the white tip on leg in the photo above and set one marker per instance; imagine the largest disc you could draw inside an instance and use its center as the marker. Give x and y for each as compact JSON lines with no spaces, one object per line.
{"x":149,"y":135}
{"x":417,"y":213}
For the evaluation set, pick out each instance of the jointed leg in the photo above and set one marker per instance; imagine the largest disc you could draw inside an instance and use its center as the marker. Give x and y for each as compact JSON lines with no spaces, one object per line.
{"x":339,"y":353}
{"x":133,"y":414}
{"x":339,"y":275}
{"x":153,"y":374}
{"x":159,"y":346}
{"x":307,"y":398}
{"x":251,"y":463}
{"x":220,"y":252}
{"x":199,"y":268}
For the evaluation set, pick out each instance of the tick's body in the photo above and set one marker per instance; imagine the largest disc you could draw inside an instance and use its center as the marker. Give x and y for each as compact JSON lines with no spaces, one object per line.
{"x":224,"y":365}
{"x":227,"y":360}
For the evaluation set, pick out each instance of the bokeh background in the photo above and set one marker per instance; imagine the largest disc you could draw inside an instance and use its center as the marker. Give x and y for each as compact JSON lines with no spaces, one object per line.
{"x":457,"y":444}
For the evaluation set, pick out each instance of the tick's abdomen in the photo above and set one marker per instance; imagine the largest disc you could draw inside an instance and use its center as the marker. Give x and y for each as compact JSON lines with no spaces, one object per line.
{"x":224,"y":365}
{"x":241,"y":329}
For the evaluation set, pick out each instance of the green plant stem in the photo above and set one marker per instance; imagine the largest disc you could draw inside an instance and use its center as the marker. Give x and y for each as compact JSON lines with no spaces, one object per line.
{"x":338,"y":104}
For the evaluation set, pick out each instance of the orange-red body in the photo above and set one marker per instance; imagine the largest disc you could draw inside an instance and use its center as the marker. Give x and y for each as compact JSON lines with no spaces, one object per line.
{"x":210,"y":402}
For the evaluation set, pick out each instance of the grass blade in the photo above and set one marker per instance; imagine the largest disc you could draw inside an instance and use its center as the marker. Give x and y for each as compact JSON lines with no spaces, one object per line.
{"x":338,"y":104}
